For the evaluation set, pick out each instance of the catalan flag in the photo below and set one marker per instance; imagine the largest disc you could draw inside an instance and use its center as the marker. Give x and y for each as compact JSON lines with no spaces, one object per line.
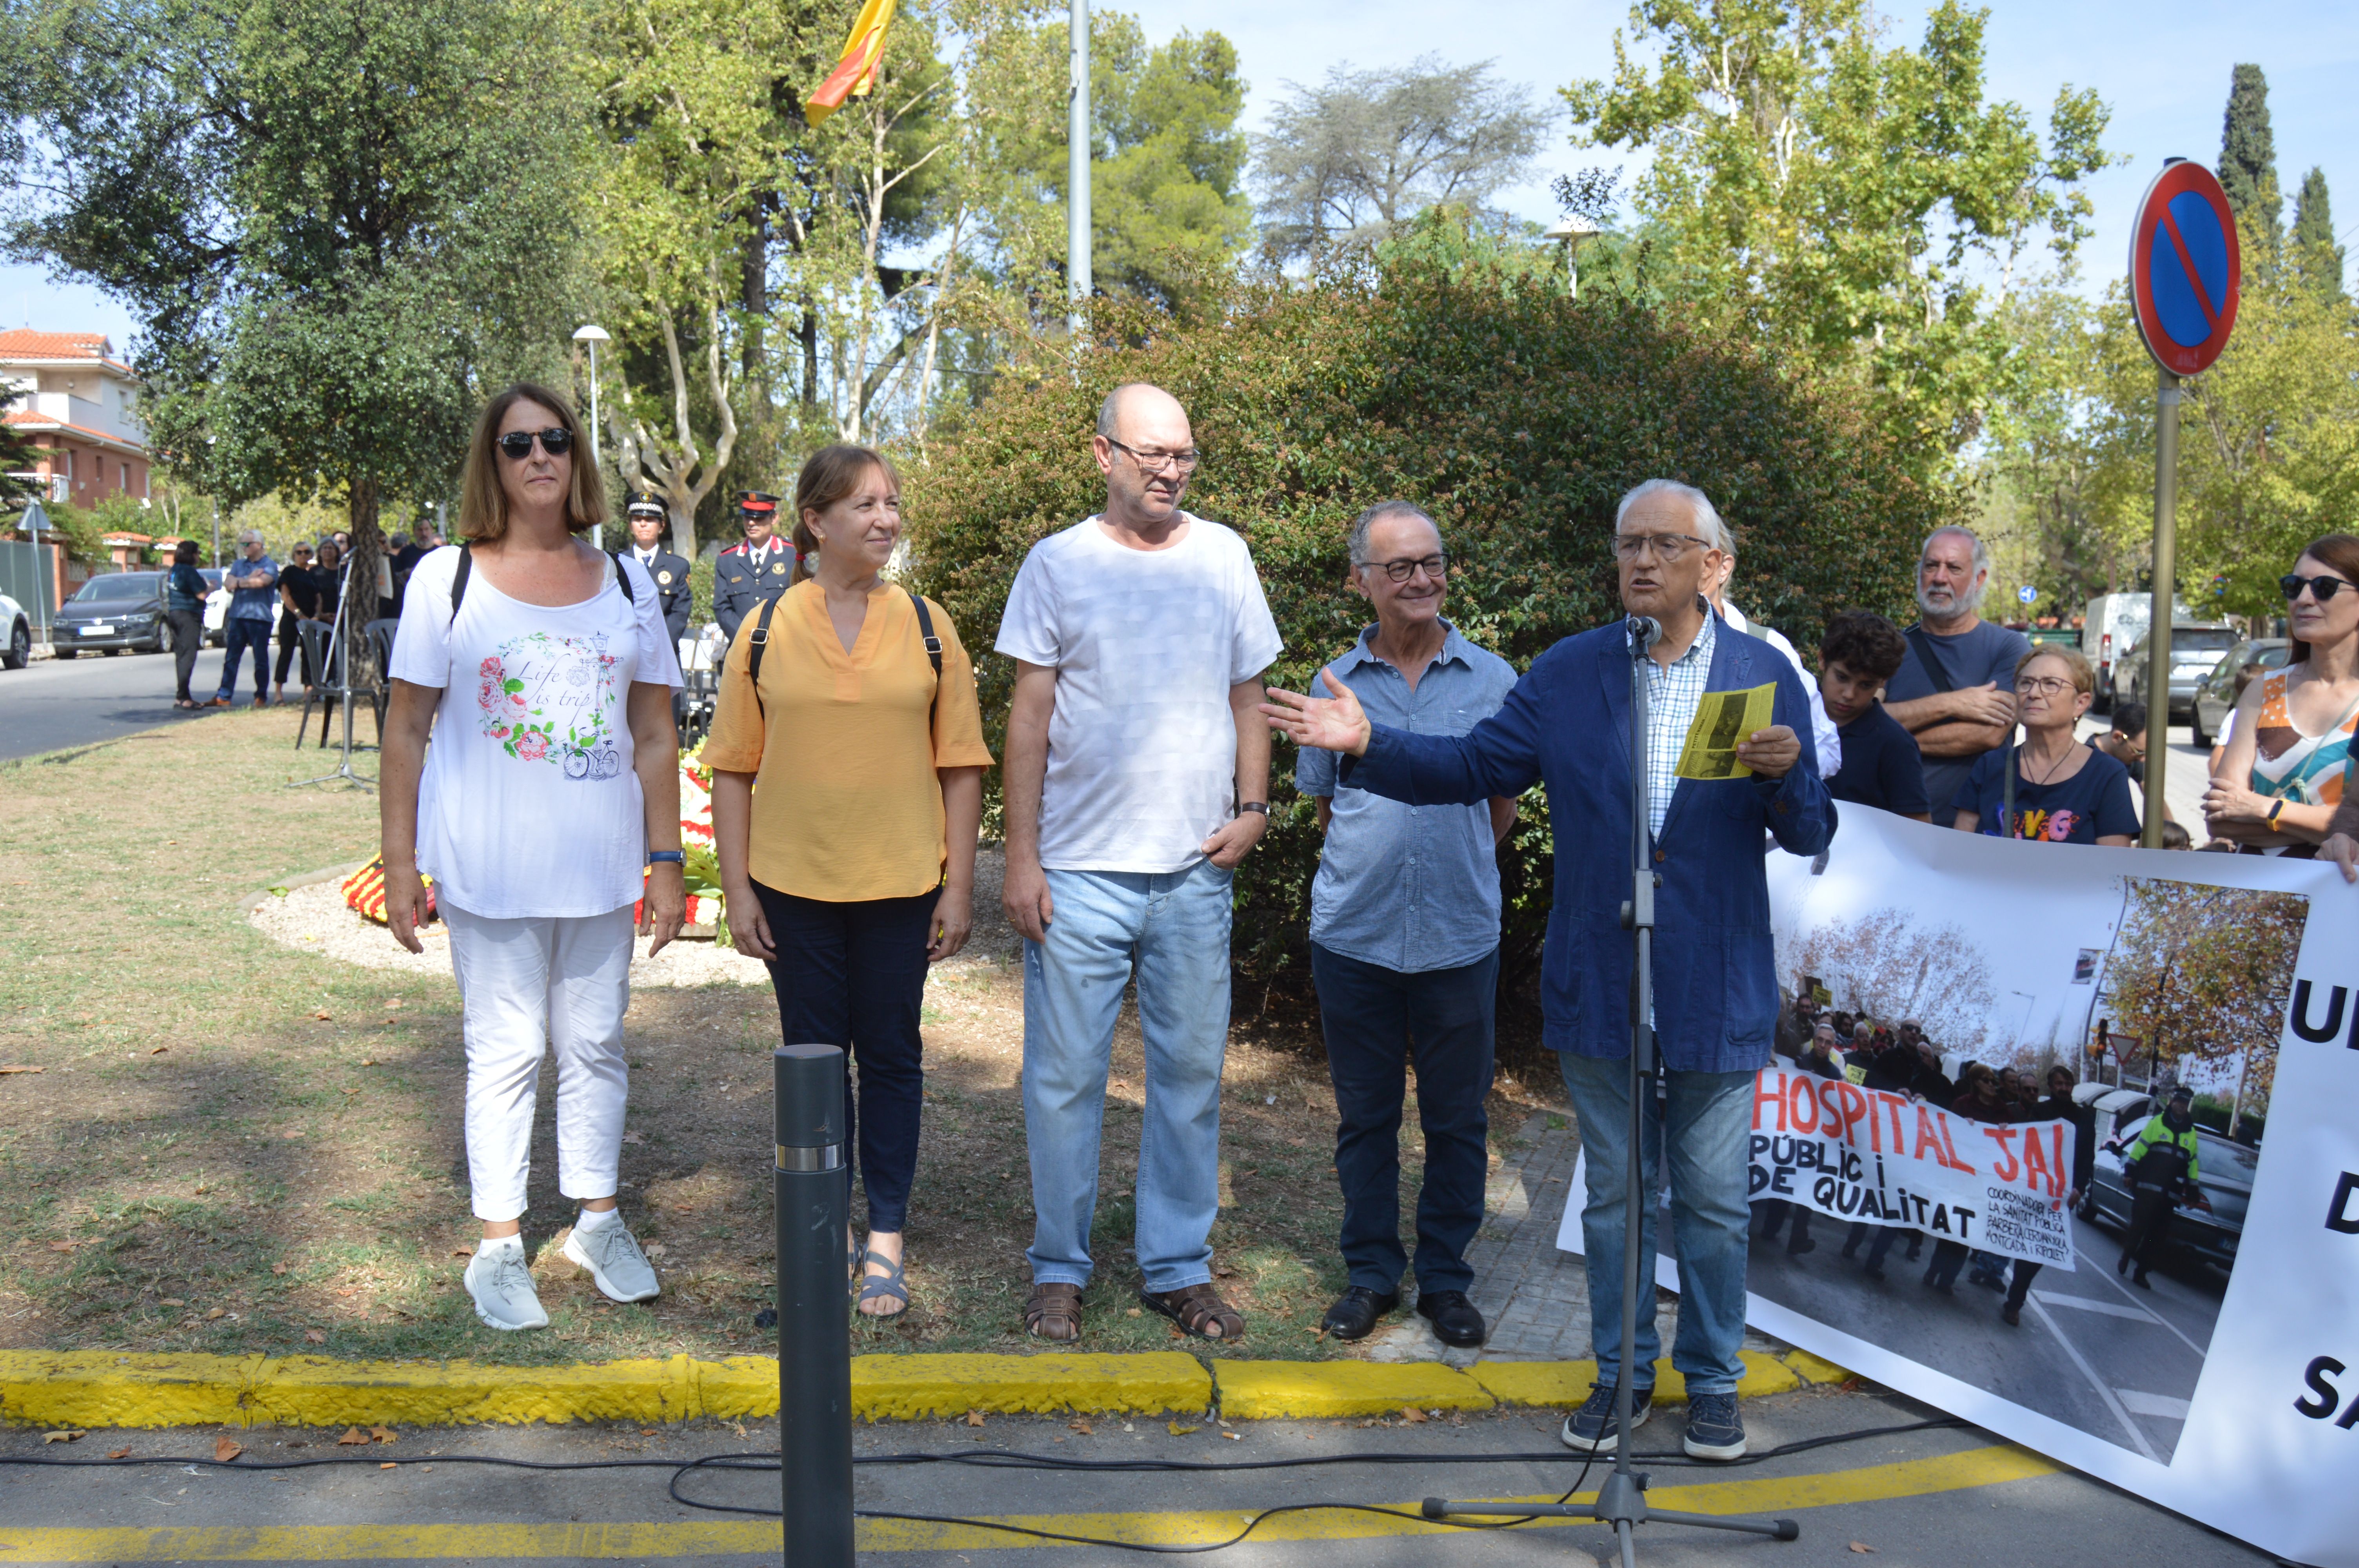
{"x":856,"y":73}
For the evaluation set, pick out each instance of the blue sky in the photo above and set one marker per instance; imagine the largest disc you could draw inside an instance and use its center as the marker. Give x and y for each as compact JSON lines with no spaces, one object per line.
{"x":2162,"y":65}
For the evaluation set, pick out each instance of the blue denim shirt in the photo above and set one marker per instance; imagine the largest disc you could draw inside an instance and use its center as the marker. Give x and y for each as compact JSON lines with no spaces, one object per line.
{"x":1408,"y":887}
{"x":252,"y":603}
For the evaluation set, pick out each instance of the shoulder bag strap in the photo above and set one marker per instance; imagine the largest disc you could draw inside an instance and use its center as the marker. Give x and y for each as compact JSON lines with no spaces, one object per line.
{"x":621,"y":577}
{"x":933,"y":649}
{"x":459,"y":577}
{"x":1935,"y":670}
{"x":760,"y":641}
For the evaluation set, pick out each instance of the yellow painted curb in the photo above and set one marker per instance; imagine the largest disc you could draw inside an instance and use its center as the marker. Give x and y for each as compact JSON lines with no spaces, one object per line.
{"x":904,"y":1388}
{"x":1266,"y":1391}
{"x":1814,"y":1371}
{"x":1564,"y":1384}
{"x":103,"y":1388}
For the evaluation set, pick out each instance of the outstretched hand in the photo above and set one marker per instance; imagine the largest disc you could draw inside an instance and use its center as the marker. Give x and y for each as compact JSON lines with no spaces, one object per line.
{"x":1328,"y":724}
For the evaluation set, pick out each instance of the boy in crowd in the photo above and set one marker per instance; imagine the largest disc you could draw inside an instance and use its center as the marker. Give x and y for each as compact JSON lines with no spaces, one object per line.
{"x":1882,"y":767}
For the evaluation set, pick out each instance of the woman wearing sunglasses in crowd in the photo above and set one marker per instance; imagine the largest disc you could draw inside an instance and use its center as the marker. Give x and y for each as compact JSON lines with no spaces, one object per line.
{"x":2066,"y":792}
{"x":2276,"y":787}
{"x":548,"y":806}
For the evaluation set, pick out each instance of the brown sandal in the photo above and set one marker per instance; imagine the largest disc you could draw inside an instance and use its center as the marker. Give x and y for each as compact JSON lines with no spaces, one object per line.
{"x":1199,"y":1310}
{"x":1054,"y":1312}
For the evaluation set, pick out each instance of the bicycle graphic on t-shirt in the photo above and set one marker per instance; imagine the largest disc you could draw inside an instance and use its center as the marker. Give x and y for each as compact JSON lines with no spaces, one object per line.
{"x":546,"y":699}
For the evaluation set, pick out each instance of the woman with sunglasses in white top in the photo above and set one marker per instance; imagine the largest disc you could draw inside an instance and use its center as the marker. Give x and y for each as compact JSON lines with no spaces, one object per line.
{"x":547,"y":807}
{"x":2285,"y":767}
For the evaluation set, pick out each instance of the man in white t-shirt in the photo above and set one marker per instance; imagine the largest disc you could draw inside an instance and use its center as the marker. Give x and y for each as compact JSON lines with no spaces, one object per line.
{"x":1136,"y":779}
{"x":1823,"y":731}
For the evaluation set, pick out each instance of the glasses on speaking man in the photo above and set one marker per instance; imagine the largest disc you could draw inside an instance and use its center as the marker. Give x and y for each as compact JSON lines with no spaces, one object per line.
{"x":516,"y":445}
{"x":1666,"y":547}
{"x":1434,"y":567}
{"x":1183,"y":463}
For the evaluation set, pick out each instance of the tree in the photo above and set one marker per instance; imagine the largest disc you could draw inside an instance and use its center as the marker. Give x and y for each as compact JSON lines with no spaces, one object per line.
{"x":1887,"y":965}
{"x":2249,"y":154}
{"x":2203,"y":975}
{"x":2315,"y":253}
{"x":1850,"y":204}
{"x":338,"y":220}
{"x":1350,"y":161}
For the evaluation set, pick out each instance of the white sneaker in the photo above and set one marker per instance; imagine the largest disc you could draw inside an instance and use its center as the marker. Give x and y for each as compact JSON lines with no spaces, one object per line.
{"x":618,"y":1267}
{"x":501,"y":1285}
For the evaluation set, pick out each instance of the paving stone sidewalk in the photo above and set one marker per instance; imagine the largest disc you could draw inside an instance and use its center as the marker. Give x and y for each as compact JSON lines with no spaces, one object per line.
{"x":1535,"y":1298}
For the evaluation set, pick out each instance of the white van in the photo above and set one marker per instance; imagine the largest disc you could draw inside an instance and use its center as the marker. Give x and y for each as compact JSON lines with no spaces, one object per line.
{"x":2112,"y":624}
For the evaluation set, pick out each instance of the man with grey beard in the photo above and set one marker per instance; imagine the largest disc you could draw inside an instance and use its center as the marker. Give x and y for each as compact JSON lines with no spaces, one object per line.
{"x":1955,"y":687}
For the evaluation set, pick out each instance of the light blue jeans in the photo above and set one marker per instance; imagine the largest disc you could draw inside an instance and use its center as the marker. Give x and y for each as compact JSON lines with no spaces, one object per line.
{"x":1173,"y":928}
{"x":1710,"y":1118}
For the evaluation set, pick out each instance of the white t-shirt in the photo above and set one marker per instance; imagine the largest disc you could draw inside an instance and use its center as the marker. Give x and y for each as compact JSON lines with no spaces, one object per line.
{"x":1145,"y":644}
{"x":529,"y":807}
{"x":1823,"y":732}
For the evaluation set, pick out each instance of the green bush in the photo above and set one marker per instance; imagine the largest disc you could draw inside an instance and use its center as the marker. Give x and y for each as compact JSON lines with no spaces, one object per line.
{"x":1514,"y":415}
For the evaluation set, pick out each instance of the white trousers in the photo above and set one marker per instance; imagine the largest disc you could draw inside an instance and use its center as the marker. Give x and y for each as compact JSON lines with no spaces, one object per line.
{"x":524,"y":986}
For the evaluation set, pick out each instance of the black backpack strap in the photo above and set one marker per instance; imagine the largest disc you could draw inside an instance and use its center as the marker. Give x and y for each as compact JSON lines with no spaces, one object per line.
{"x":754,"y":645}
{"x":459,"y":577}
{"x":933,"y":649}
{"x":621,"y":577}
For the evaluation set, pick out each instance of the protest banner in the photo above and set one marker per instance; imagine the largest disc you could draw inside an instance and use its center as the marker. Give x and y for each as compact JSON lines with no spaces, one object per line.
{"x":2228,"y":1389}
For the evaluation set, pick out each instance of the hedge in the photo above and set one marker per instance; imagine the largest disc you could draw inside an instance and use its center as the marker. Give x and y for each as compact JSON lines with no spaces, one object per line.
{"x":1513,"y":415}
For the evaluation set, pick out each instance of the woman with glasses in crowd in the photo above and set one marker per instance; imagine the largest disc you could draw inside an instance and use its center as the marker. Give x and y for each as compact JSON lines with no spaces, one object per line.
{"x":851,"y":868}
{"x":2281,"y":776}
{"x":548,"y":806}
{"x":2066,"y":792}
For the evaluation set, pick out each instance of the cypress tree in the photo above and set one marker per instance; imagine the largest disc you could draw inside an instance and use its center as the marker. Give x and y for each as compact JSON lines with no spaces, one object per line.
{"x":2313,"y":234}
{"x":2249,"y":154}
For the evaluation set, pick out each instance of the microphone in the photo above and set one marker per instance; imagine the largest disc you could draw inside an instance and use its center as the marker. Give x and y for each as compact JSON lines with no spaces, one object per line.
{"x":1644,"y":633}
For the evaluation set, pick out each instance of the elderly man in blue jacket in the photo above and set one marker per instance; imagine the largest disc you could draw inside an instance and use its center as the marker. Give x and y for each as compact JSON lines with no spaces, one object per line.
{"x":1566,"y":724}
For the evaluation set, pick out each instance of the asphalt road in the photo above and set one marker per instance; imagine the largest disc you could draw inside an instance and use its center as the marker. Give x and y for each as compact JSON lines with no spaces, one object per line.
{"x":1952,"y":1496}
{"x":52,"y":704}
{"x":2093,"y":1351}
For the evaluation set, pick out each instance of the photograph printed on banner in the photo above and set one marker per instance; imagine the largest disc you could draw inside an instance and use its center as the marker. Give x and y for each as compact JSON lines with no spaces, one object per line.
{"x":2012,"y":1138}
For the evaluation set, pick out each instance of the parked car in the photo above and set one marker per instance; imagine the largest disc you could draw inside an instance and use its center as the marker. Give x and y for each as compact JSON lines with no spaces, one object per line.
{"x":2216,"y":697}
{"x":2109,"y":624}
{"x":18,"y":649}
{"x":113,"y":612}
{"x":2196,"y":650}
{"x":2224,"y":1171}
{"x":216,"y":607}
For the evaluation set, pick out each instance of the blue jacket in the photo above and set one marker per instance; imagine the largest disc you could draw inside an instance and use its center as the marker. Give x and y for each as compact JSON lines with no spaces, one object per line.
{"x":1566,"y":724}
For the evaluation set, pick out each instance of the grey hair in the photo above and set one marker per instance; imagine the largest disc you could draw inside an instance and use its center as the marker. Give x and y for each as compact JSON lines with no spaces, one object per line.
{"x":1367,"y":519}
{"x":1107,"y":410}
{"x":1973,"y":597}
{"x":1707,"y":516}
{"x":249,"y":536}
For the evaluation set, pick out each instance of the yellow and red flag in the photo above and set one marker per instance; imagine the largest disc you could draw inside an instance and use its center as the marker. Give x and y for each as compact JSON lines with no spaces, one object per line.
{"x":856,"y":73}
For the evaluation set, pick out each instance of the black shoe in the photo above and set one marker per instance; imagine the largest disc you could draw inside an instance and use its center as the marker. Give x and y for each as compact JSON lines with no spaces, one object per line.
{"x":2122,"y":1264}
{"x":2141,"y":1281}
{"x":2013,"y":1314}
{"x":1455,"y":1321}
{"x":1592,"y":1430}
{"x":1914,"y":1248}
{"x":1355,"y":1312}
{"x":1874,"y":1270}
{"x":1801,"y":1245}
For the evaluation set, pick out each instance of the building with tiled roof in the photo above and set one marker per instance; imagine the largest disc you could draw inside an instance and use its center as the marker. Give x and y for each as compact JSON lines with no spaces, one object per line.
{"x":79,"y":407}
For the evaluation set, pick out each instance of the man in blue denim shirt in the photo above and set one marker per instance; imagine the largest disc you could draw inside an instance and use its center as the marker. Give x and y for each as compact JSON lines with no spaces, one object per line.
{"x":1405,"y":941}
{"x":253,"y":581}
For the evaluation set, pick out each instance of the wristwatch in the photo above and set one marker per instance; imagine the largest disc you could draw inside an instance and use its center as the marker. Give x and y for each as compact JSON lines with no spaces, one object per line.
{"x":677,"y":857}
{"x":1260,"y":805}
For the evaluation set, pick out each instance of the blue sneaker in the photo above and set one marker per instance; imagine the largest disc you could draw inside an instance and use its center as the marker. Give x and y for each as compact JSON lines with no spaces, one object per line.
{"x":1591,"y":1428}
{"x":1714,"y":1429}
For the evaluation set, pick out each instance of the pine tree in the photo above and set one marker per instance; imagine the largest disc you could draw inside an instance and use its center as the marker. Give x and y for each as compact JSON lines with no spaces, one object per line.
{"x":2249,"y":154}
{"x":2315,"y":251}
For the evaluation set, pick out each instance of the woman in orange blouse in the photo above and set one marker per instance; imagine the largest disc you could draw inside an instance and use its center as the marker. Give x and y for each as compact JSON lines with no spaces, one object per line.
{"x":852,"y":865}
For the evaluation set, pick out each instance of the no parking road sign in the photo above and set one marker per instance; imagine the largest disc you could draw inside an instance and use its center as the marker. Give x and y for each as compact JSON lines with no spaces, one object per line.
{"x":2184,"y":268}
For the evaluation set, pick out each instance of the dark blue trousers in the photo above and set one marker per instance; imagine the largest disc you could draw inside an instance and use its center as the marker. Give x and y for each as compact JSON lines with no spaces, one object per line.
{"x":854,"y":975}
{"x":1377,"y":1021}
{"x":237,"y":636}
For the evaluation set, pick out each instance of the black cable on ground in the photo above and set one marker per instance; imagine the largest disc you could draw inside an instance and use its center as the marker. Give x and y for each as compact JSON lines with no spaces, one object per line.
{"x":1003,"y":1458}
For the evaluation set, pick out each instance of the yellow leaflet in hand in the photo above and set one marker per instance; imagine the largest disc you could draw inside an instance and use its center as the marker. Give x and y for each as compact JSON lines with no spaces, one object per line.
{"x":1724,"y":718}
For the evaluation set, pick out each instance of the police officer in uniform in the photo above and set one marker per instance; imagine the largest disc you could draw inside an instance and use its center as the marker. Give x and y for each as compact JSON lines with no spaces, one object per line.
{"x":760,"y":569}
{"x":2161,"y":1163}
{"x":668,"y":570}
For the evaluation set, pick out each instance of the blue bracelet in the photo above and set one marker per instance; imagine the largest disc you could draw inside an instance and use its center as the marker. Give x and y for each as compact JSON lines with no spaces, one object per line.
{"x":677,"y":857}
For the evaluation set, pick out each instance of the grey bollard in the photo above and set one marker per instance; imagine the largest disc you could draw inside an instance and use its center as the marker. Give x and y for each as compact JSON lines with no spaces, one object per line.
{"x":814,"y":1307}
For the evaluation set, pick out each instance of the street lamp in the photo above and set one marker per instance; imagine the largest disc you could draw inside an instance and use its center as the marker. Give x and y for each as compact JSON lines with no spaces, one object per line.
{"x":594,"y":335}
{"x":1572,"y":230}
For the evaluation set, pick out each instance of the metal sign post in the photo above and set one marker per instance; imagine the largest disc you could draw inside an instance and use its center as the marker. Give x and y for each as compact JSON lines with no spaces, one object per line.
{"x":2186,"y":272}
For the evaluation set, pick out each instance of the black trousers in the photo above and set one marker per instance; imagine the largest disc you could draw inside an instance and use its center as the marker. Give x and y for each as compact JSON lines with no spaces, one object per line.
{"x":2018,"y":1285}
{"x":188,"y":636}
{"x":854,"y":975}
{"x":2150,"y":1210}
{"x":1377,"y":1021}
{"x":290,"y":643}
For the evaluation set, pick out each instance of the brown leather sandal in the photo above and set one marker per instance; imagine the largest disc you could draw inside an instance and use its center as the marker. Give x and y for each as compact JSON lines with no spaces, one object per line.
{"x":1054,"y":1311}
{"x":1199,"y":1310}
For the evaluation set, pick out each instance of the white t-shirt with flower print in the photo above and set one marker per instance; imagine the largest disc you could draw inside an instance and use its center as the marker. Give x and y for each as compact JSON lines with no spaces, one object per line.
{"x":529,"y":807}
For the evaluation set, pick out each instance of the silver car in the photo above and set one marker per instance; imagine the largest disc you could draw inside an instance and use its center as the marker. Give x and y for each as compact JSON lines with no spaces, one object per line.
{"x":2216,"y":697}
{"x":2195,"y":653}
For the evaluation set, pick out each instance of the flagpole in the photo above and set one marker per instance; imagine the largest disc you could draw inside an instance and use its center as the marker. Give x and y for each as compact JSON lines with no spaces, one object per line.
{"x":1077,"y":173}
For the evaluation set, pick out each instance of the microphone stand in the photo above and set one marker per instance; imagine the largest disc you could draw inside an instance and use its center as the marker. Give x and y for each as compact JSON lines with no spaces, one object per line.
{"x":341,"y":687}
{"x":1622,"y":1500}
